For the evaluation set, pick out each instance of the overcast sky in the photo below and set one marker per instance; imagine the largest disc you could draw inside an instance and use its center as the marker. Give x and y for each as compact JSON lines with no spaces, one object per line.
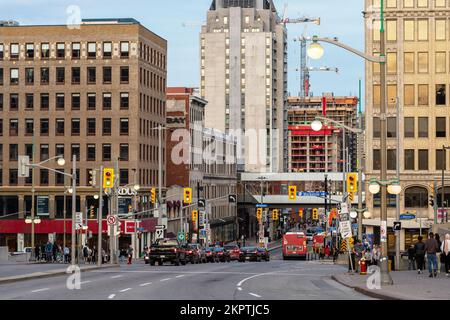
{"x":342,"y":19}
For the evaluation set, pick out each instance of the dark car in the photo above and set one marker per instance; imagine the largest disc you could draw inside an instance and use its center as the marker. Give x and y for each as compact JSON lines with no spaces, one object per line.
{"x":234,"y":251}
{"x":265,"y":255}
{"x":194,"y":253}
{"x":167,"y":250}
{"x":210,"y":255}
{"x":222,"y":255}
{"x":250,"y":254}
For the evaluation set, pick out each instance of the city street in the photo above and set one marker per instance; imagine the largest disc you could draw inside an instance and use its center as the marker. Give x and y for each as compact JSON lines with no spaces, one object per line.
{"x":274,"y":280}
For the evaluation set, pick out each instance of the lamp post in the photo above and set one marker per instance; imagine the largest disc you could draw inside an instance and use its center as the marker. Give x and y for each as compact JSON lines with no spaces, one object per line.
{"x":260,"y":222}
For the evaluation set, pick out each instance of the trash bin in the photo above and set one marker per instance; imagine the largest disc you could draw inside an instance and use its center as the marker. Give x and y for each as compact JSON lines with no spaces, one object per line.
{"x":391,"y":263}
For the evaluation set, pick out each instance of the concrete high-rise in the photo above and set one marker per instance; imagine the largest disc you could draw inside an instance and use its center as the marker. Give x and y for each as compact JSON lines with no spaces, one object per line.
{"x":244,"y":79}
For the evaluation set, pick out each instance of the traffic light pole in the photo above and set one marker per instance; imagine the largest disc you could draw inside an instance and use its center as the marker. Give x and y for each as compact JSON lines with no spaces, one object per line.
{"x":99,"y":220}
{"x":198,"y":222}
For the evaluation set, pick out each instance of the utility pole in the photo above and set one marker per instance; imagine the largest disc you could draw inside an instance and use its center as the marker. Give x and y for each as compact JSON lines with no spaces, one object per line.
{"x":74,"y":207}
{"x":99,"y":219}
{"x":359,"y":162}
{"x":198,"y":220}
{"x":160,"y":175}
{"x":397,"y":198}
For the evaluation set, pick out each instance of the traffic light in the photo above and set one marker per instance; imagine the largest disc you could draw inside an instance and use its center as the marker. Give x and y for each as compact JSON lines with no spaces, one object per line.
{"x":93,"y":178}
{"x":194,"y":215}
{"x":187,"y":197}
{"x":292,"y":192}
{"x":351,"y":197}
{"x":259,"y":212}
{"x":315,"y":214}
{"x":275,"y":215}
{"x":431,"y":201}
{"x":108,"y":178}
{"x":352,"y":182}
{"x":153,"y":195}
{"x":91,"y":212}
{"x":300,"y":213}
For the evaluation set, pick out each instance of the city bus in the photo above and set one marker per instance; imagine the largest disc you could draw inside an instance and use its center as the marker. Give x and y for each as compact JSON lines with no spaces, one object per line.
{"x":294,"y":245}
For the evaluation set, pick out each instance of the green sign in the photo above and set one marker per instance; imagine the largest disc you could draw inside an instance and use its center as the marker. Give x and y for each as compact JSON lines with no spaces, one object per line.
{"x":180,"y":236}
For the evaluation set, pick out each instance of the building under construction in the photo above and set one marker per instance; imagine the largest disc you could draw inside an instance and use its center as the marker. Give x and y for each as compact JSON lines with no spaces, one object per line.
{"x":321,"y":151}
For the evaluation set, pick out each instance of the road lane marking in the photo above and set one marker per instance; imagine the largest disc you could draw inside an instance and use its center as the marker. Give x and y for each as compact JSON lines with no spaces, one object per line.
{"x":87,"y":281}
{"x":239,"y":288}
{"x":40,"y":290}
{"x":115,"y":277}
{"x":111,"y":296}
{"x":145,"y":284}
{"x":255,"y":295}
{"x":125,"y":290}
{"x":164,"y":279}
{"x":180,"y":276}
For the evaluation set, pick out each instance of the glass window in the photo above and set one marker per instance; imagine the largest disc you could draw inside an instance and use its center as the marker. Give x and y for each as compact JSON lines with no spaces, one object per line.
{"x":409,"y":159}
{"x":29,"y":50}
{"x":76,"y":50}
{"x":409,"y":62}
{"x":422,"y":26}
{"x":59,"y":150}
{"x":60,"y":50}
{"x":422,"y":3}
{"x":45,"y":101}
{"x":90,"y":152}
{"x":409,"y":31}
{"x":107,"y":75}
{"x":107,"y":49}
{"x":441,"y":62}
{"x":60,"y":100}
{"x":376,"y":159}
{"x":2,"y":51}
{"x":13,"y":152}
{"x":416,"y":197}
{"x":29,"y":101}
{"x":1,"y":76}
{"x":44,"y":127}
{"x":14,"y":102}
{"x":45,"y":50}
{"x":391,"y":62}
{"x":43,"y":177}
{"x":440,"y":94}
{"x":376,"y":95}
{"x":75,"y":101}
{"x":124,"y":152}
{"x":92,"y":50}
{"x":440,"y":3}
{"x":441,"y":29}
{"x":14,"y":51}
{"x":392,"y":94}
{"x":391,"y":127}
{"x":376,"y":30}
{"x":107,"y":101}
{"x":75,"y":127}
{"x":392,"y":159}
{"x":29,"y":127}
{"x":124,"y":100}
{"x":408,"y":3}
{"x":91,"y":101}
{"x":423,"y":62}
{"x":91,"y":75}
{"x":44,"y":152}
{"x":91,"y":127}
{"x":13,"y":127}
{"x":440,"y":127}
{"x":391,"y":29}
{"x":106,"y":152}
{"x":45,"y":75}
{"x":14,"y":76}
{"x":76,"y":75}
{"x":59,"y":127}
{"x":409,"y":127}
{"x":124,"y":74}
{"x":123,"y":177}
{"x":391,"y":4}
{"x":423,"y":127}
{"x":60,"y":75}
{"x":423,"y":95}
{"x":29,"y":76}
{"x":106,"y":127}
{"x":409,"y":95}
{"x":124,"y":126}
{"x":440,"y":160}
{"x":376,"y":127}
{"x":75,"y":151}
{"x":124,"y":49}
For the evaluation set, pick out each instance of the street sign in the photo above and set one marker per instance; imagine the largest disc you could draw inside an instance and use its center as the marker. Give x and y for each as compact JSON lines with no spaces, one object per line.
{"x":111,"y":220}
{"x":130,"y":227}
{"x":397,"y":226}
{"x":180,"y":236}
{"x":78,"y":220}
{"x":201,"y":203}
{"x":201,"y":218}
{"x":262,"y":205}
{"x":407,"y":216}
{"x":345,"y":229}
{"x":159,"y":233}
{"x":312,"y":194}
{"x":232,"y":198}
{"x":42,"y":205}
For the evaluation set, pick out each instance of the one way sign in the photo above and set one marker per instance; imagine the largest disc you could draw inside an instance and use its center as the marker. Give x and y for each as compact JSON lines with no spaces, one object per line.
{"x":397,"y":226}
{"x":232,"y":198}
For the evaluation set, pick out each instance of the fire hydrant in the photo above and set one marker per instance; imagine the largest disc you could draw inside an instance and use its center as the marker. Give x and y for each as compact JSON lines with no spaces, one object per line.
{"x":362,"y":266}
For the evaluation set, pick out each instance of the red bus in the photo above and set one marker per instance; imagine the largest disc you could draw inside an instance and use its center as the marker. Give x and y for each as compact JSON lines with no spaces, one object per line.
{"x":294,"y":245}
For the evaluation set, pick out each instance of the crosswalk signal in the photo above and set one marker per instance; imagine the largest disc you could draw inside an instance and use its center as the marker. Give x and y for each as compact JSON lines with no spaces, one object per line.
{"x":153,"y":195}
{"x":187,"y":197}
{"x":194,"y":215}
{"x":259,"y":212}
{"x":315,"y":214}
{"x":275,"y":215}
{"x":93,"y":178}
{"x":108,"y":178}
{"x":292,"y":192}
{"x":352,"y":179}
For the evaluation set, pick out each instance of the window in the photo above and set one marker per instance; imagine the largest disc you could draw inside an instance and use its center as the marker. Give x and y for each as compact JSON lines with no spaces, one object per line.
{"x":107,"y":75}
{"x":391,"y":127}
{"x":124,"y":74}
{"x":60,"y":50}
{"x":376,"y":127}
{"x":60,"y":75}
{"x":13,"y":152}
{"x":440,"y":3}
{"x":409,"y":127}
{"x":392,"y":94}
{"x":59,"y":127}
{"x":416,"y":197}
{"x":29,"y":51}
{"x":14,"y":102}
{"x":441,"y":29}
{"x":91,"y":101}
{"x":440,"y":127}
{"x":409,"y":95}
{"x":75,"y":101}
{"x":376,"y":95}
{"x":409,"y":159}
{"x":391,"y":62}
{"x":1,"y":76}
{"x":90,"y":152}
{"x":45,"y":51}
{"x":124,"y":49}
{"x":440,"y":94}
{"x":76,"y":76}
{"x":44,"y":127}
{"x":29,"y":101}
{"x":247,"y":19}
{"x":106,"y":152}
{"x":29,"y":127}
{"x":123,"y":152}
{"x":13,"y":177}
{"x":391,"y":4}
{"x":423,"y":95}
{"x":124,"y":100}
{"x":91,"y":75}
{"x":409,"y":62}
{"x":45,"y":101}
{"x":441,"y":61}
{"x":107,"y":101}
{"x":124,"y":127}
{"x":440,"y":160}
{"x":75,"y":151}
{"x":44,"y":153}
{"x":92,"y":50}
{"x":90,"y":127}
{"x":106,"y":130}
{"x":45,"y":75}
{"x":29,"y":151}
{"x":60,"y":101}
{"x":1,"y":127}
{"x":14,"y":76}
{"x":423,"y":127}
{"x":1,"y":101}
{"x":422,"y":26}
{"x":29,"y":76}
{"x":409,"y":30}
{"x":76,"y":50}
{"x":423,"y":62}
{"x":59,"y":178}
{"x":376,"y":159}
{"x":123,"y":176}
{"x":391,"y":29}
{"x":59,"y":150}
{"x":422,"y":3}
{"x":2,"y":51}
{"x":13,"y":127}
{"x":392,"y":159}
{"x":75,"y":127}
{"x":107,"y":49}
{"x":14,"y":51}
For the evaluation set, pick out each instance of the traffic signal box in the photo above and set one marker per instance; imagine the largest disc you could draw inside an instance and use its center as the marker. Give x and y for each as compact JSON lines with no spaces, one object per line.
{"x":352,"y":182}
{"x":153,"y":195}
{"x":300,"y":213}
{"x":108,"y":178}
{"x":194,"y":215}
{"x":92,"y":178}
{"x":315,"y":214}
{"x":351,"y":197}
{"x":292,"y":192}
{"x":259,"y":213}
{"x":275,"y":215}
{"x":187,"y":195}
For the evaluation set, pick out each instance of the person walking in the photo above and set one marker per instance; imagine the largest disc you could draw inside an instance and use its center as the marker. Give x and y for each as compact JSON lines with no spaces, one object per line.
{"x":438,"y":252}
{"x":431,"y":247}
{"x":66,"y":254}
{"x":419,"y":248}
{"x":445,"y":248}
{"x":130,"y":254}
{"x":376,"y":255}
{"x":48,"y":251}
{"x":37,"y":249}
{"x":411,"y":258}
{"x":85,"y":253}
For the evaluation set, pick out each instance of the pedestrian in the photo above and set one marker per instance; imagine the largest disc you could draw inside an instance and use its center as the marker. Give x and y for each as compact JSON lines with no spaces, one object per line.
{"x":54,"y":252}
{"x":94,"y":254}
{"x":130,"y":254}
{"x":36,"y":252}
{"x":122,"y":255}
{"x":438,"y":252}
{"x":66,"y":254}
{"x":431,"y":247}
{"x":85,"y":253}
{"x":376,"y":255}
{"x":411,"y":258}
{"x":335,"y":253}
{"x":419,"y":249}
{"x":367,"y":256}
{"x":327,"y":251}
{"x":445,"y":248}
{"x":43,"y":254}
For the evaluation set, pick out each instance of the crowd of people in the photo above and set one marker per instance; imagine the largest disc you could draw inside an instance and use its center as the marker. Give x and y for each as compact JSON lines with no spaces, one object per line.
{"x":55,"y":253}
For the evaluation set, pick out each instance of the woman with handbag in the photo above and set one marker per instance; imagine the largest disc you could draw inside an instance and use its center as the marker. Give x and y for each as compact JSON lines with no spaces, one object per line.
{"x":445,"y":248}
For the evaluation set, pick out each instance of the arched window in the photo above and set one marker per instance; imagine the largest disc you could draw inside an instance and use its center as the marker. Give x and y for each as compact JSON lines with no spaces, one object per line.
{"x":416,"y":197}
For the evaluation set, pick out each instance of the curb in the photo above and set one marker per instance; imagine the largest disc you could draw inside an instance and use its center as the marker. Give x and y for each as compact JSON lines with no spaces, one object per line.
{"x":41,"y":275}
{"x":367,"y":292}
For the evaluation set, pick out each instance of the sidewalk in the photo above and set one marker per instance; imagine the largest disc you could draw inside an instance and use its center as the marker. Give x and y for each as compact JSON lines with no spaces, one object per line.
{"x":408,"y":285}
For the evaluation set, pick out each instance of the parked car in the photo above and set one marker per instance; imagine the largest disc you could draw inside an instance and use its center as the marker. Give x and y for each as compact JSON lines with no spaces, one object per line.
{"x":210,"y":254}
{"x":250,"y":254}
{"x":233,"y":250}
{"x":167,"y":250}
{"x":222,"y":255}
{"x":194,"y":253}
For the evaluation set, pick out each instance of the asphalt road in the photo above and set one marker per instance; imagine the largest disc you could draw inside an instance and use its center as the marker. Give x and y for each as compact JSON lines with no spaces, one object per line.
{"x":274,"y":280}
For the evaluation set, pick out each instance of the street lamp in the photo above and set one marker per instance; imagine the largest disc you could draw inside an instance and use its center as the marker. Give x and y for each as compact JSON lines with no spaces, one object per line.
{"x":316,"y":125}
{"x":393,"y":186}
{"x":315,"y":50}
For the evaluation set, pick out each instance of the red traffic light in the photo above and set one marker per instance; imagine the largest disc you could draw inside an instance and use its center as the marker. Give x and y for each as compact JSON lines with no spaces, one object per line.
{"x":108,"y":174}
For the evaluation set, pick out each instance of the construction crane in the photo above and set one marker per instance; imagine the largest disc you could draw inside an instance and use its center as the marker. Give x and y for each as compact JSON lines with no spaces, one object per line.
{"x":306,"y":84}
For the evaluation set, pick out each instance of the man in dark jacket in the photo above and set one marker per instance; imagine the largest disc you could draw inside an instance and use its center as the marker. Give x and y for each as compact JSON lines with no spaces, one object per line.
{"x":411,"y":258}
{"x":419,"y":248}
{"x":431,"y":247}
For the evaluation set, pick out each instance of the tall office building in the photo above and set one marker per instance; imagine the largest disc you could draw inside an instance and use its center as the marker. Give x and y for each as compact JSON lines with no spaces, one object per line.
{"x":244,"y":80}
{"x":417,"y":43}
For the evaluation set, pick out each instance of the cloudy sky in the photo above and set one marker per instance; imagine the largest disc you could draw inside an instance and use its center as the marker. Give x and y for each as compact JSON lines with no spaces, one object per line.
{"x":342,"y":19}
